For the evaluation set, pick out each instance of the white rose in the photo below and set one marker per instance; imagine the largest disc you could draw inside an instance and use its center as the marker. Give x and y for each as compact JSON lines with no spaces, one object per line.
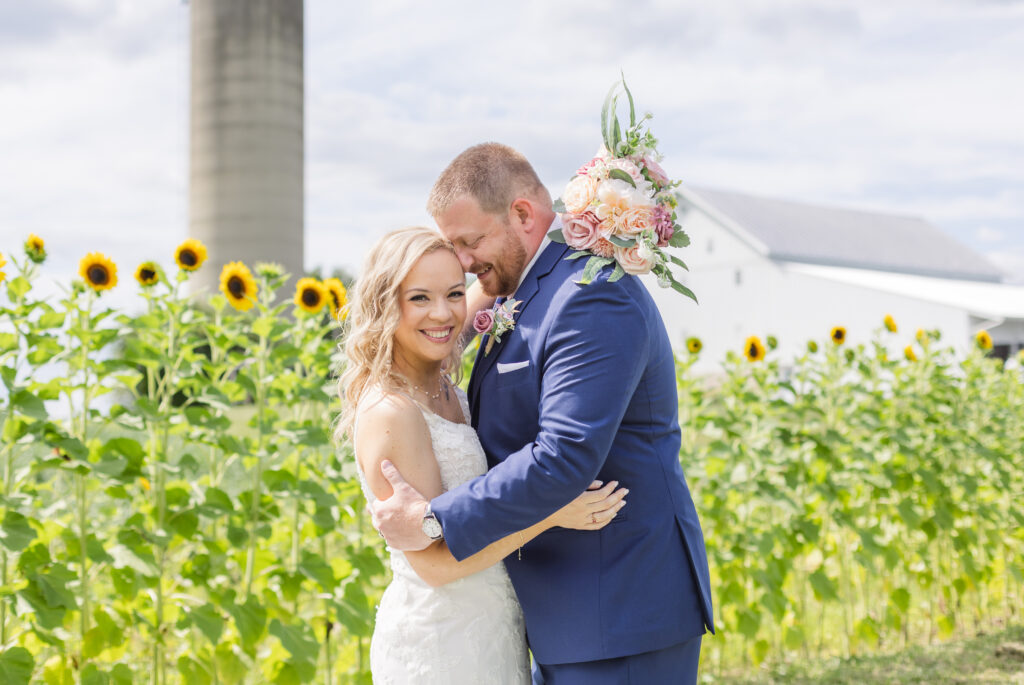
{"x":579,"y":194}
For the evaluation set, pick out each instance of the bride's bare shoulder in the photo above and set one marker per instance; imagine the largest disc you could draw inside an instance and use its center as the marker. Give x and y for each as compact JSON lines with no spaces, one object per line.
{"x":390,"y":416}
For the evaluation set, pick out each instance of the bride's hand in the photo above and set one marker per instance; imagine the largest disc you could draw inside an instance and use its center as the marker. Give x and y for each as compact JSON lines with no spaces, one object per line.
{"x":592,"y":510}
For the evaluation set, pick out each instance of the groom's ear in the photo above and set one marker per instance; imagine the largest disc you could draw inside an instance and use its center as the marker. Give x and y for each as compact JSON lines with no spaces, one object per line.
{"x":521,"y":213}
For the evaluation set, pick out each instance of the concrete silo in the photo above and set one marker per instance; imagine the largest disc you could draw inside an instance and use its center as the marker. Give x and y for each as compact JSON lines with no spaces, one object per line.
{"x":246,"y":156}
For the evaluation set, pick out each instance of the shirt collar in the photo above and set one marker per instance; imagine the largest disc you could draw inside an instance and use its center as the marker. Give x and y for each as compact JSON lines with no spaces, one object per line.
{"x":555,"y":225}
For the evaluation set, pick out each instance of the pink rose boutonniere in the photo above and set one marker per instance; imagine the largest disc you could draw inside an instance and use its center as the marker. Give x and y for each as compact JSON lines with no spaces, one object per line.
{"x":496,"y":322}
{"x":620,"y":207}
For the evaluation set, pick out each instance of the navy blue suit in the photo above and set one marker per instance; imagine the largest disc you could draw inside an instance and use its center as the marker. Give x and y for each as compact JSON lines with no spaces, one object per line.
{"x":597,"y":400}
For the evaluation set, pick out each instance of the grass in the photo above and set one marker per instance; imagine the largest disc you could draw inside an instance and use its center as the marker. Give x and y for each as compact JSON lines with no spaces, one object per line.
{"x":986,"y":658}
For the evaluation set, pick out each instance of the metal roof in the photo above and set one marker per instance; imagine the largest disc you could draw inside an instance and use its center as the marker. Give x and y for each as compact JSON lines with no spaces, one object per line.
{"x":812,"y":234}
{"x":984,"y":300}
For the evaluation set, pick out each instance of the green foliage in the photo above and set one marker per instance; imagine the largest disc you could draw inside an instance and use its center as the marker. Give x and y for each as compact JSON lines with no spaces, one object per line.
{"x":852,"y":502}
{"x":175,"y":508}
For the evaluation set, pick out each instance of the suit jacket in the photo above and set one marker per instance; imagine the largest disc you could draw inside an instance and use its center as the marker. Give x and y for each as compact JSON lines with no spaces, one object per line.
{"x":597,"y":400}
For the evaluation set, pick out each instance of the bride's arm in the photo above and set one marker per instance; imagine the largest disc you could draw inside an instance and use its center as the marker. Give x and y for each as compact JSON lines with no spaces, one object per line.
{"x":392,"y":428}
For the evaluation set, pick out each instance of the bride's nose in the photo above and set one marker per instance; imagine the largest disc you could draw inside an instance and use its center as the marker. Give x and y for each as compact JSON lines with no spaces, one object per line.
{"x":441,"y":311}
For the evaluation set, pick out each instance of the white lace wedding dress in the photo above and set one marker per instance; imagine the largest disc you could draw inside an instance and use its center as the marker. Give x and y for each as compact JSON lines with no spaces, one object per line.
{"x":469,"y":631}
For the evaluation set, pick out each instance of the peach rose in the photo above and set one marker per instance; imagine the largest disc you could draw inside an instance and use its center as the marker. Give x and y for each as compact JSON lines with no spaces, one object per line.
{"x":635,"y":260}
{"x":603,"y":248}
{"x":580,"y":230}
{"x":578,"y":195}
{"x":633,"y":221}
{"x":655,"y":171}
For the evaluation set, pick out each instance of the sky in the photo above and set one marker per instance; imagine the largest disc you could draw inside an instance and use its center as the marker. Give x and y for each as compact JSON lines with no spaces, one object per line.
{"x":902,"y":106}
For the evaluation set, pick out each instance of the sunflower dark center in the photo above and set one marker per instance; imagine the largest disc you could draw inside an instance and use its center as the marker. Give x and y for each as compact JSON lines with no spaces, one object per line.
{"x":838,"y":335}
{"x":98,"y":274}
{"x":335,"y":299}
{"x":310,"y":297}
{"x":188,"y":257}
{"x":753,"y":350}
{"x":236,"y":287}
{"x":147,"y":274}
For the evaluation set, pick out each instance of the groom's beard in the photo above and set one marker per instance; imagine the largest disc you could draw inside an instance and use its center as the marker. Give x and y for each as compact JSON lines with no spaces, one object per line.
{"x":505,"y":273}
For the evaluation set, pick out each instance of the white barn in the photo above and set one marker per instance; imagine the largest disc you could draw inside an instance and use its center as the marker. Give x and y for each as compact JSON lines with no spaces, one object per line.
{"x":763,"y":266}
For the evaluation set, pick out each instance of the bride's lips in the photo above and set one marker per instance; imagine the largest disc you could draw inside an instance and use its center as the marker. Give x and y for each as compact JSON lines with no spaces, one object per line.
{"x":438,"y":335}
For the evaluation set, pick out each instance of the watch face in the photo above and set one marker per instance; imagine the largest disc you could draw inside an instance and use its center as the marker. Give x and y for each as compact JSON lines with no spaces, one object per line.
{"x":432,"y":527}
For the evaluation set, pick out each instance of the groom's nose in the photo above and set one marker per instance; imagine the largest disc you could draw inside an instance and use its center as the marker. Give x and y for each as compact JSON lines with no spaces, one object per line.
{"x":465,"y":259}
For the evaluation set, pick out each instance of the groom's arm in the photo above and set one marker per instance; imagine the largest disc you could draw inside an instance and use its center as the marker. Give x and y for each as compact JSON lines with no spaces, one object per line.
{"x":595,"y":356}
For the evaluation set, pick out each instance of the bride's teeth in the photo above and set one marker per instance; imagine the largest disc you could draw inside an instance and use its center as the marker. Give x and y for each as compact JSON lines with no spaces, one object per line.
{"x":438,"y":335}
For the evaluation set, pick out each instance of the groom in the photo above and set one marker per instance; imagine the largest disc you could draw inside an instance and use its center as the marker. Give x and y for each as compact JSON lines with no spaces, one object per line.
{"x":587,"y":380}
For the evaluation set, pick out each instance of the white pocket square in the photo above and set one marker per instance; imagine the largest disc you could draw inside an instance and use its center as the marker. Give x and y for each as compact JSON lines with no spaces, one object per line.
{"x":512,"y":366}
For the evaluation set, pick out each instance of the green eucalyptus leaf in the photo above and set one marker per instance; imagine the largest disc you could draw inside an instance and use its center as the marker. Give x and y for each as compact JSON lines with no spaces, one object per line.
{"x":621,"y":175}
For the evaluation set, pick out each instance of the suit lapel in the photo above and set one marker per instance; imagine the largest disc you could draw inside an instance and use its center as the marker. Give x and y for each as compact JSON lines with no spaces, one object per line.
{"x":524,"y":294}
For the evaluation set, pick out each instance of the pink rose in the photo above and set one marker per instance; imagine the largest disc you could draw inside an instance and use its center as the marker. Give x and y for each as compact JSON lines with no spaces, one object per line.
{"x":580,"y":230}
{"x":663,"y":226}
{"x":483,"y":321}
{"x":625,"y":165}
{"x":635,"y":260}
{"x":655,"y":171}
{"x":579,"y":194}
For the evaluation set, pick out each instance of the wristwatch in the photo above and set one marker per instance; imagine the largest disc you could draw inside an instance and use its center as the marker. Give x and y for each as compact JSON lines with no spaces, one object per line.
{"x":431,"y":526}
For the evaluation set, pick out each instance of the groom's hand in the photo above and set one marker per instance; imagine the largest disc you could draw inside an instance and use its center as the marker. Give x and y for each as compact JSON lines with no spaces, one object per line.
{"x":399,"y":518}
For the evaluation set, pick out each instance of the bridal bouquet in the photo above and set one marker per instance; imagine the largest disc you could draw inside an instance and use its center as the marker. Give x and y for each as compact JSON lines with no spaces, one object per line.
{"x":620,"y":207}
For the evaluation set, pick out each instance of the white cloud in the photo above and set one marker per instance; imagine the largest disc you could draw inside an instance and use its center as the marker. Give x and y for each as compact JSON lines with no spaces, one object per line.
{"x":910,"y":107}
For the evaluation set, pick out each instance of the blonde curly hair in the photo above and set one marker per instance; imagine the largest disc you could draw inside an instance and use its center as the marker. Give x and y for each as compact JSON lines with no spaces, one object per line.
{"x":373,"y":314}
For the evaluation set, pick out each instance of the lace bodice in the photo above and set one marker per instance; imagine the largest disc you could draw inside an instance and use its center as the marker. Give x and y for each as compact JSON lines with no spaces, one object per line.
{"x":468,"y":631}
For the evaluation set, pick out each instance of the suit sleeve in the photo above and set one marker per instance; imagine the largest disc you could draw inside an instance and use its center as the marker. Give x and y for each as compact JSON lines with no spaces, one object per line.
{"x":593,"y":360}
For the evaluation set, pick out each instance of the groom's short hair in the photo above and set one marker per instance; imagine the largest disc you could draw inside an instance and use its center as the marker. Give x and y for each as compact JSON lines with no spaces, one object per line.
{"x":492,"y":173}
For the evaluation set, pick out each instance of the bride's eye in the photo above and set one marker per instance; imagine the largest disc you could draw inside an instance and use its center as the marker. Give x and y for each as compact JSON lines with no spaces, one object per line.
{"x":456,"y":294}
{"x":418,"y":298}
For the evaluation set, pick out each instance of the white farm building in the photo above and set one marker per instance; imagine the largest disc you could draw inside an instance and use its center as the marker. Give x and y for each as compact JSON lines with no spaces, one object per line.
{"x":763,"y":266}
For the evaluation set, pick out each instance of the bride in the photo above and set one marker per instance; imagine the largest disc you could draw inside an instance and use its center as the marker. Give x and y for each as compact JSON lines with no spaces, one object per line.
{"x":440,"y":620}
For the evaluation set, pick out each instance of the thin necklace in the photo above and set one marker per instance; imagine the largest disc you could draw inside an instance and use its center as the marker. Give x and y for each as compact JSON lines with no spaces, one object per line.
{"x":442,"y":387}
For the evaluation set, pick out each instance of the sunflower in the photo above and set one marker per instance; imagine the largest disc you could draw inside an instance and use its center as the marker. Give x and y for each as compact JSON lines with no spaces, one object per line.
{"x":339,"y":297}
{"x":269,"y":270}
{"x":3,"y":262}
{"x":98,"y":271}
{"x":753,"y":349}
{"x":983,"y":340}
{"x":694,"y":345}
{"x":310,"y":295}
{"x":35,"y":248}
{"x":812,"y":346}
{"x":147,"y":274}
{"x":922,"y":336}
{"x":908,"y":352}
{"x":190,"y":255}
{"x":838,"y":335}
{"x":890,"y":323}
{"x":238,"y":285}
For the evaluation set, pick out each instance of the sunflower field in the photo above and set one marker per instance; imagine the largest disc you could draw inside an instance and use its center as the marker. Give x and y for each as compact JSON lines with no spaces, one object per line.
{"x":175,"y":508}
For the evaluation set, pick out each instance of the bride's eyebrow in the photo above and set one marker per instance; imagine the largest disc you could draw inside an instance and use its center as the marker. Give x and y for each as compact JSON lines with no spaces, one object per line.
{"x":461,"y":284}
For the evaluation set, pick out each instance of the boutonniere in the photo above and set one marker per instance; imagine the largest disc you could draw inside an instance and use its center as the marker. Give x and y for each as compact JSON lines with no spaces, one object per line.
{"x":496,"y":322}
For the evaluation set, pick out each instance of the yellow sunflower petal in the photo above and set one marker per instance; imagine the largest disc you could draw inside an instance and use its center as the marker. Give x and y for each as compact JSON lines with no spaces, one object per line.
{"x":98,"y":271}
{"x":238,"y":286}
{"x":35,"y":248}
{"x":890,"y":323}
{"x":984,"y":340}
{"x":147,"y":274}
{"x":310,"y":295}
{"x":838,"y":335}
{"x":190,"y":255}
{"x":753,"y":349}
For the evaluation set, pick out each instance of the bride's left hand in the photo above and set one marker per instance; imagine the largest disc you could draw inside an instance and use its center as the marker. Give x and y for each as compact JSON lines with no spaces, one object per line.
{"x":593,"y":509}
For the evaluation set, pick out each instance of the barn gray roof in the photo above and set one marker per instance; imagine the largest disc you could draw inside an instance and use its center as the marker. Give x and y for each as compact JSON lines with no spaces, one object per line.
{"x":797,"y":232}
